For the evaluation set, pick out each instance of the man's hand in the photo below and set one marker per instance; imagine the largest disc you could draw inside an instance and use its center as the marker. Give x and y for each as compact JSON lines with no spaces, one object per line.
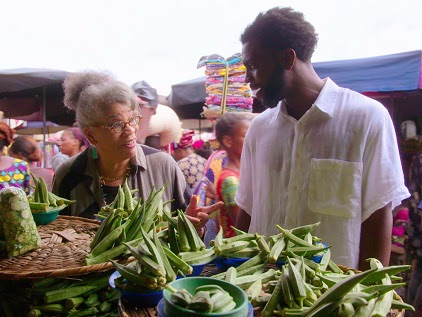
{"x":375,"y":237}
{"x":199,"y":215}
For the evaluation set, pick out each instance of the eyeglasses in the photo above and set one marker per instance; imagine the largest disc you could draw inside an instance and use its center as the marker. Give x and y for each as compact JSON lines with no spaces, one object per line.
{"x":119,"y":126}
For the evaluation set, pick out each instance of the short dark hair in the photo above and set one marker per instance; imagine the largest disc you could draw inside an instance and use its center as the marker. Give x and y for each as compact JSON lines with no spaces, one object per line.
{"x":27,"y":147}
{"x":282,"y":28}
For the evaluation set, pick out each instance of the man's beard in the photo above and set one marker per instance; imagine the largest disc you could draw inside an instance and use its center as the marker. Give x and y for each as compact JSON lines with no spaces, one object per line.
{"x":273,"y":92}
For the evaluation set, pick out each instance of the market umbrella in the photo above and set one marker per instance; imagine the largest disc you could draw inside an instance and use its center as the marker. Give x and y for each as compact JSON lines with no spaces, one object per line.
{"x":188,"y":98}
{"x":34,"y":94}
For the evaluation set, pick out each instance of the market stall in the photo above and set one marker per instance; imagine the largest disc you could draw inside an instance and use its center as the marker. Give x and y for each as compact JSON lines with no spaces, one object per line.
{"x":151,"y":256}
{"x":34,"y":94}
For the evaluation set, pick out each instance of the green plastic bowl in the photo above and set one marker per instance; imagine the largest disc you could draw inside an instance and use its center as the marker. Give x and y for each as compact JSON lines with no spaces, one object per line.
{"x":191,"y":283}
{"x":44,"y":218}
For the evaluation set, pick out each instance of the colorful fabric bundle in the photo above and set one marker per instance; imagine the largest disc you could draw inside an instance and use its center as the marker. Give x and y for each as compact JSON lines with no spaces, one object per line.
{"x":186,"y":140}
{"x":225,"y":86}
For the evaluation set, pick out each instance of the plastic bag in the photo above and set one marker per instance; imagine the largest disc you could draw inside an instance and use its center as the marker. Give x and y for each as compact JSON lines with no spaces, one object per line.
{"x":18,"y":226}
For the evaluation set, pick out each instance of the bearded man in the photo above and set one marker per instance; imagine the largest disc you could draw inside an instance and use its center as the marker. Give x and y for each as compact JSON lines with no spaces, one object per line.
{"x":319,"y":152}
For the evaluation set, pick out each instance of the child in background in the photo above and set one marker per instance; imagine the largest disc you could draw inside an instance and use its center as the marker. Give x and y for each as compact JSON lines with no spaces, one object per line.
{"x":230,"y":130}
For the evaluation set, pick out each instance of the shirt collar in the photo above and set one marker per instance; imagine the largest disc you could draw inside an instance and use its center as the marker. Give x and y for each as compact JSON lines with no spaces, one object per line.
{"x":327,"y":97}
{"x":325,"y":101}
{"x":276,"y":111}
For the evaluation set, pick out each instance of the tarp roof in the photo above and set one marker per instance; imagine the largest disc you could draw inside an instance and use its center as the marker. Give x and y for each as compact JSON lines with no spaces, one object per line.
{"x":396,"y":72}
{"x":27,"y":78}
{"x":22,"y":95}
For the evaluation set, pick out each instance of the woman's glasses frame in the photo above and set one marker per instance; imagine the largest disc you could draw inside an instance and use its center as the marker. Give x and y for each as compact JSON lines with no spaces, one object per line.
{"x":119,"y":126}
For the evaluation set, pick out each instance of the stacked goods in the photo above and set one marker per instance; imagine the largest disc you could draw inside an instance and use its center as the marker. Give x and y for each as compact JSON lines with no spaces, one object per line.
{"x":73,"y":297}
{"x":124,"y":203}
{"x":159,"y":258}
{"x":41,"y":200}
{"x":295,"y":242}
{"x":155,"y":265}
{"x":242,"y":245}
{"x":17,"y":226}
{"x":298,"y":292}
{"x":207,"y":299}
{"x":225,"y":86}
{"x":109,"y":240}
{"x":185,"y":241}
{"x":305,"y":288}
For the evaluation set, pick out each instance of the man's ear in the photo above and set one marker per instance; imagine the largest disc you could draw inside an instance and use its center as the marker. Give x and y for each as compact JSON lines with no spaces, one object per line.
{"x":287,"y":58}
{"x":90,"y":136}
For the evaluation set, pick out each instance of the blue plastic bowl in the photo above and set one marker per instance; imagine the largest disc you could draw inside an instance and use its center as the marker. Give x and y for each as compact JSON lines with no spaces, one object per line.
{"x":139,"y":299}
{"x":44,"y":218}
{"x":197,"y":269}
{"x":224,"y":263}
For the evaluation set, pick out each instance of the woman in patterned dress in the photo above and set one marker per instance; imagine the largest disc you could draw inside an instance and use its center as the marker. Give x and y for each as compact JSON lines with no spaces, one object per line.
{"x":191,"y":164}
{"x":27,"y":149}
{"x":13,"y":172}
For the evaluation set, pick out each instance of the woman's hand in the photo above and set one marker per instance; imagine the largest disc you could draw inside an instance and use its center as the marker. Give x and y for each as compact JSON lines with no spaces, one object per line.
{"x":199,"y":215}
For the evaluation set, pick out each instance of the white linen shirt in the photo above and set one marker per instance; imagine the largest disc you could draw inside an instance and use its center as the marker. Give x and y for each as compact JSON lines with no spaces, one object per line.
{"x":338,"y":164}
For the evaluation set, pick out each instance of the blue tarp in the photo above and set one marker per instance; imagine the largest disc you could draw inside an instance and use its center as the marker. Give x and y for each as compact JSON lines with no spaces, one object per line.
{"x":396,"y":72}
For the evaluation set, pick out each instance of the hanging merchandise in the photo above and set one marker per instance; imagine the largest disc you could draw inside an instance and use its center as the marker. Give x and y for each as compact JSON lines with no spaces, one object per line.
{"x":225,"y":85}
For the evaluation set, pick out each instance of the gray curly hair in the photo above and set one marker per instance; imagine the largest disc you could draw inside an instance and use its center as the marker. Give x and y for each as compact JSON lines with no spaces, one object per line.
{"x":89,"y":92}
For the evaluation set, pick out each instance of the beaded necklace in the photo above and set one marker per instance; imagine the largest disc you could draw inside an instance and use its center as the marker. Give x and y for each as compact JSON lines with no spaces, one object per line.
{"x":104,"y":179}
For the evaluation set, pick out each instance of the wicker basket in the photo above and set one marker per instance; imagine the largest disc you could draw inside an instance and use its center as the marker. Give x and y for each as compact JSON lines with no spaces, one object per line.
{"x":64,"y":246}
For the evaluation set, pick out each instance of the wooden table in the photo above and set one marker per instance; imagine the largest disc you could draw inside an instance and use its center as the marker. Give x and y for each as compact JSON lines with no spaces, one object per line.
{"x":128,"y":310}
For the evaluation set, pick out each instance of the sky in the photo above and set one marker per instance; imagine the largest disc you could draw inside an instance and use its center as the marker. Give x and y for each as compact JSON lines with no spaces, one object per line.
{"x":162,"y":41}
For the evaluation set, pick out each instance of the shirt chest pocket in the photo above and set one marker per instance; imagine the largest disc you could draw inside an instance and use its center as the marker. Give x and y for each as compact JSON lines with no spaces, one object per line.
{"x":335,"y":187}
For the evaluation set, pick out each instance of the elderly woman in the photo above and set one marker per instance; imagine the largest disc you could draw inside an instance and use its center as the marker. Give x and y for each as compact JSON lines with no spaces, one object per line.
{"x":107,"y":111}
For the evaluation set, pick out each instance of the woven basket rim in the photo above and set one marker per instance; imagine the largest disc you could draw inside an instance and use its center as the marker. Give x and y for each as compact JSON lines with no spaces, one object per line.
{"x":64,"y":272}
